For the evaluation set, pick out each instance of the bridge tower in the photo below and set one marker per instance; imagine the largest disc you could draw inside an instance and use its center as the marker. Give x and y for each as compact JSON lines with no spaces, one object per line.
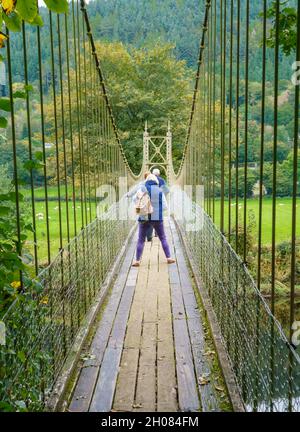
{"x":158,"y":151}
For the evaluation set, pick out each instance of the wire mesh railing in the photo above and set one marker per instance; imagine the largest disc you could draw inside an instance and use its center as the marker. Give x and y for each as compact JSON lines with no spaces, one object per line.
{"x":266,"y":366}
{"x":244,"y":83}
{"x":65,"y":130}
{"x":41,"y":328}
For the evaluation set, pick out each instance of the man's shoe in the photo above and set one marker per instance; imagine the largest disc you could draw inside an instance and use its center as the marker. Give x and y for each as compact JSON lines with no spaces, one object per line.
{"x":136,"y":264}
{"x":150,"y":239}
{"x":171,"y":261}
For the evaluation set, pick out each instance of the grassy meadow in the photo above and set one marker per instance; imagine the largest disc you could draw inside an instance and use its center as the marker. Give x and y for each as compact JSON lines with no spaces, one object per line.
{"x":283,"y":218}
{"x":53,"y":219}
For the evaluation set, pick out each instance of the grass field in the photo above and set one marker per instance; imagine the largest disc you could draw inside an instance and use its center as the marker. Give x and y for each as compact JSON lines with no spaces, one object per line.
{"x":39,"y":193}
{"x":283,"y":218}
{"x":53,"y":218}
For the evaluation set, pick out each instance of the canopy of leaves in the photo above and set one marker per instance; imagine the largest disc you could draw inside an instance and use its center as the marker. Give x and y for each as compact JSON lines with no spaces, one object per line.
{"x":13,"y":12}
{"x":286,"y":26}
{"x":170,"y":21}
{"x":147,"y":84}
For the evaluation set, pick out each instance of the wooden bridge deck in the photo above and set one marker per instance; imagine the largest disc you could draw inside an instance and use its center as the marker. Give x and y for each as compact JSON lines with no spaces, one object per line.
{"x":149,"y":352}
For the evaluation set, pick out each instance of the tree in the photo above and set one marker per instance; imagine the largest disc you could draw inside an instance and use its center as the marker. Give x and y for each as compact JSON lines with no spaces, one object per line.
{"x":147,"y":84}
{"x":287,"y":27}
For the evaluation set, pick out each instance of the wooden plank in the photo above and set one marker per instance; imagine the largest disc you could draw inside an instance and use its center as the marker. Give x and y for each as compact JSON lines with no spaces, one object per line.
{"x":164,"y":300}
{"x":189,"y":300}
{"x":88,"y":376}
{"x":166,"y":386}
{"x":150,"y":312}
{"x":166,"y":369}
{"x":125,"y":389}
{"x":174,"y":275}
{"x":104,"y":391}
{"x":208,"y":398}
{"x":187,"y":381}
{"x":118,"y":333}
{"x":177,"y":302}
{"x":126,"y":382}
{"x":134,"y":327}
{"x":132,"y":276}
{"x":105,"y":387}
{"x":187,"y":384}
{"x":84,"y":388}
{"x":145,"y":400}
{"x":133,"y":336}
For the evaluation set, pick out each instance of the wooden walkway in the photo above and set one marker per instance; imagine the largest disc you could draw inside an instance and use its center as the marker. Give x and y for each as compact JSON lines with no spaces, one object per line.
{"x":149,"y":351}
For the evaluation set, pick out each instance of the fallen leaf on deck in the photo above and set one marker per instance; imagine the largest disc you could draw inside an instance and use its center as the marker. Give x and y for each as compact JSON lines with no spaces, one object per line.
{"x":137,"y":406}
{"x":219,"y":388}
{"x":204,"y":380}
{"x":209,"y":353}
{"x":88,"y":357}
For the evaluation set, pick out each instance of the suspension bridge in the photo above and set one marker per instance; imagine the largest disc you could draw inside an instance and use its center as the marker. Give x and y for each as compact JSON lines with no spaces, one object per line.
{"x":99,"y":335}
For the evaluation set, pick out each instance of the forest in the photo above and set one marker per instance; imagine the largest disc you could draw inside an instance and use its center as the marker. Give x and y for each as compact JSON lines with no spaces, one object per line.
{"x":149,"y":66}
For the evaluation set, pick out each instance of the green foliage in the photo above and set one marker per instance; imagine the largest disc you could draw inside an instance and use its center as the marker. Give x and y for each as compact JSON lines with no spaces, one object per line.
{"x":168,"y":21}
{"x":3,"y":122}
{"x":13,"y":22}
{"x":27,"y":10}
{"x":23,"y":394}
{"x":146,"y":84}
{"x":285,"y":172}
{"x":287,"y":27}
{"x":59,"y":6}
{"x":238,"y":235}
{"x":11,"y":263}
{"x":5,"y":180}
{"x":5,"y":104}
{"x":142,"y":84}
